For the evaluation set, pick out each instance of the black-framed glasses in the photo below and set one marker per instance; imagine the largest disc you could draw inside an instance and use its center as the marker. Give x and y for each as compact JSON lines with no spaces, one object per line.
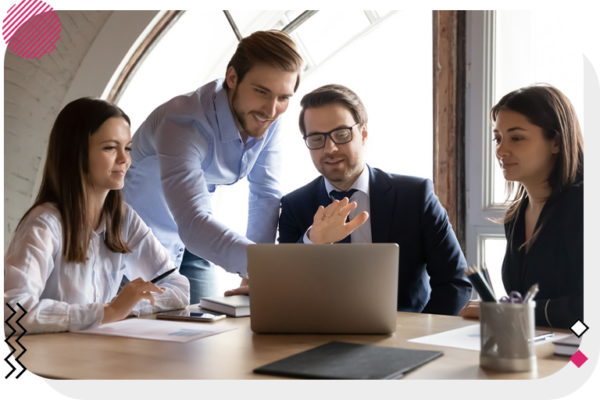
{"x":338,"y":136}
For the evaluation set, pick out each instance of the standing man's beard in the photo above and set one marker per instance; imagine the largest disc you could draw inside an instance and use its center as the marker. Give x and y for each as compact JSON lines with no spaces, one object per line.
{"x":241,"y":117}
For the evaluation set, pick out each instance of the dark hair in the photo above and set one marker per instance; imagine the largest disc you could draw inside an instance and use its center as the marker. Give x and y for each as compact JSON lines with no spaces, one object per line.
{"x":272,"y":47}
{"x":333,"y":94}
{"x":548,"y":108}
{"x":66,"y":177}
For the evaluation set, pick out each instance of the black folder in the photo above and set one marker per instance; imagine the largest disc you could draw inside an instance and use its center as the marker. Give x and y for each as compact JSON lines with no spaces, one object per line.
{"x":339,"y":360}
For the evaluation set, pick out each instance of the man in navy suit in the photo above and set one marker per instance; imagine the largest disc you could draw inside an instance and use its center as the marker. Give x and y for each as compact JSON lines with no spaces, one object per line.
{"x":384,"y":208}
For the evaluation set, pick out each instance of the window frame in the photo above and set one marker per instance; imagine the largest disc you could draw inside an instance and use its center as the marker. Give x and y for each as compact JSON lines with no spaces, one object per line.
{"x":480,"y":158}
{"x":449,"y":30}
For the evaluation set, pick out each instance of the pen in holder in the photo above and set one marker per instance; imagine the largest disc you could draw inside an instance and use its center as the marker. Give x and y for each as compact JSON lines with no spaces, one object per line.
{"x":508,"y":336}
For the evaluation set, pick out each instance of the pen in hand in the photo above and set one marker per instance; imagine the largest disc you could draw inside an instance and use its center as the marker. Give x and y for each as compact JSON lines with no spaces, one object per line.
{"x":161,"y":277}
{"x":155,"y":280}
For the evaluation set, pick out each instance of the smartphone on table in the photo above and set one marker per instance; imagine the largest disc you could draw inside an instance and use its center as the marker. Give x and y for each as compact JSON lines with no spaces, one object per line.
{"x":186,"y":315}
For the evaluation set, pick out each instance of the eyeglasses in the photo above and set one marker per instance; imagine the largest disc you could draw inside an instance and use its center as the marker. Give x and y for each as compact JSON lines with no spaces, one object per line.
{"x":338,"y":136}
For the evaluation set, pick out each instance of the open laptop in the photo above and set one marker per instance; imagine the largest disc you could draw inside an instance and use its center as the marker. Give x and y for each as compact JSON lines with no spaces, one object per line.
{"x":340,"y":288}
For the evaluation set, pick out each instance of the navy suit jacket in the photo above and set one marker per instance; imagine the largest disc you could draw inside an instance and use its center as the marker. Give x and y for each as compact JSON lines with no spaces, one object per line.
{"x":406,"y":211}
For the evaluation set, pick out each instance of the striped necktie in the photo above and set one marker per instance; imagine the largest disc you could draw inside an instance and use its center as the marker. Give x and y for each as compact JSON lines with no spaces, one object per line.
{"x":337,"y":195}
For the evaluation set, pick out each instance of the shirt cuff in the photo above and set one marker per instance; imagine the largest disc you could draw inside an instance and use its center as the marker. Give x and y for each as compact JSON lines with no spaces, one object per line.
{"x":85,"y":316}
{"x":306,"y":239}
{"x":162,"y":302}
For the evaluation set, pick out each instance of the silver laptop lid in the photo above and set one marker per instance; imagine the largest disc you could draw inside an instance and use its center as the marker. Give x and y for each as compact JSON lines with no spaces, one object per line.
{"x":340,"y":288}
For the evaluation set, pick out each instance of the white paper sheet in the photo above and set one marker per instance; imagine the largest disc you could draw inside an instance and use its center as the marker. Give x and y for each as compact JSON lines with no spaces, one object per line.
{"x":170,"y":331}
{"x":466,"y":338}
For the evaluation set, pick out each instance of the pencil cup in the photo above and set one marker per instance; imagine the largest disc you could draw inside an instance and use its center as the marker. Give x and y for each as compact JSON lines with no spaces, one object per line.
{"x":508,"y":336}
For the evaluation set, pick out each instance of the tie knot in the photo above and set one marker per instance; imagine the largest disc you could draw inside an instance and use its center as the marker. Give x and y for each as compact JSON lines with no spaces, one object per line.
{"x":340,"y":195}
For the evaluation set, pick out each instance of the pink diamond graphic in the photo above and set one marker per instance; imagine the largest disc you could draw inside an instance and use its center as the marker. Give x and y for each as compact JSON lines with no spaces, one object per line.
{"x":579,"y":359}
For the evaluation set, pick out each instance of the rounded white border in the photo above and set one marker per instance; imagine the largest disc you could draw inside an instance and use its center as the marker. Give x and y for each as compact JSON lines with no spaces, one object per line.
{"x":558,"y":385}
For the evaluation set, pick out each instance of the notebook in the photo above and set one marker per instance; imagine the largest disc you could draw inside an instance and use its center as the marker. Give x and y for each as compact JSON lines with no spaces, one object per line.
{"x":340,"y":360}
{"x":235,"y":306}
{"x":567,"y":346}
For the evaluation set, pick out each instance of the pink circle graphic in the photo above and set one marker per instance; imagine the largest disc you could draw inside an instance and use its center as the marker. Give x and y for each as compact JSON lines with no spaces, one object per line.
{"x":31,"y":29}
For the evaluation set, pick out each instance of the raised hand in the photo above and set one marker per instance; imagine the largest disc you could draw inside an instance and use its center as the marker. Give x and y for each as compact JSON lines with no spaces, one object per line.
{"x":131,"y":294}
{"x":330,"y":225}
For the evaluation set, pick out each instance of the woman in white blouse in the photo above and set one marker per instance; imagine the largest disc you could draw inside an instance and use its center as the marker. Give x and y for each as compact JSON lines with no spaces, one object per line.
{"x":72,"y":248}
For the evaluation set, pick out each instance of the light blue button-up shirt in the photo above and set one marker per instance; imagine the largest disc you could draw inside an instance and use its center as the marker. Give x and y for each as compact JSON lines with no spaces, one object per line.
{"x":180,"y":154}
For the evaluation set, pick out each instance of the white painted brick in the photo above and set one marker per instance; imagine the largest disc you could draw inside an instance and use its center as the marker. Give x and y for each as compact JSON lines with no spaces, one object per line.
{"x":14,"y":199}
{"x":6,"y":235}
{"x":12,"y":75}
{"x":19,"y":184}
{"x":10,"y":109}
{"x":34,"y":90}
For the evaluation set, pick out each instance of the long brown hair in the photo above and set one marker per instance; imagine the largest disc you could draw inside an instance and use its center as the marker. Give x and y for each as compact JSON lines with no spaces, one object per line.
{"x":66,"y":178}
{"x":548,"y":108}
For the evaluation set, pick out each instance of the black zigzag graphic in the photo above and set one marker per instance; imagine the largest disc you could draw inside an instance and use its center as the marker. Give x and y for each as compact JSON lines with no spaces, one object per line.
{"x":19,"y":369}
{"x":19,"y":338}
{"x":9,"y":345}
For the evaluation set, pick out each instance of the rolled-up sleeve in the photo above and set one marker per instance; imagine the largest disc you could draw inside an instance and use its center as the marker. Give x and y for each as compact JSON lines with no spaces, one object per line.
{"x":28,"y":263}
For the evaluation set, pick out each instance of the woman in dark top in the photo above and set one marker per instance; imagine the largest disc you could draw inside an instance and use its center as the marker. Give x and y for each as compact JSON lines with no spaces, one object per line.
{"x":539,"y":146}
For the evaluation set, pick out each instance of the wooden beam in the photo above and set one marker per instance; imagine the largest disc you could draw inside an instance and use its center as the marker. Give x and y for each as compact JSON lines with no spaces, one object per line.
{"x":448,"y":115}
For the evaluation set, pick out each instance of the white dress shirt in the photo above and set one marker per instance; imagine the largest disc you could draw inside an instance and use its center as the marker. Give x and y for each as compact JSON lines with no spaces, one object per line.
{"x":361,"y":197}
{"x":66,"y":296}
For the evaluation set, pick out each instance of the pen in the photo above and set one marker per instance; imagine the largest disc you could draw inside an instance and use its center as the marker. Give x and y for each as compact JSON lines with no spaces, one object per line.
{"x":480,"y":285}
{"x":486,"y":275}
{"x":543,"y":336}
{"x":161,"y":277}
{"x":155,"y":280}
{"x":531,"y":293}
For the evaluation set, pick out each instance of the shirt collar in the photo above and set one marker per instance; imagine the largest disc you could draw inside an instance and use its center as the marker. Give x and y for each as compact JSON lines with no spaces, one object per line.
{"x":361,"y":184}
{"x":228,"y":131}
{"x":101,"y":230}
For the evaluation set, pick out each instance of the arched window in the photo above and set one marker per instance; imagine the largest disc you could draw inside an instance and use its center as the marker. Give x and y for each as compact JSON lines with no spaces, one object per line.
{"x":384,"y":56}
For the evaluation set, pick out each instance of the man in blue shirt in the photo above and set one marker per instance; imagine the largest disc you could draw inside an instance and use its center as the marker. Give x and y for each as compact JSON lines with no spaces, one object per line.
{"x":226,"y":130}
{"x":384,"y":208}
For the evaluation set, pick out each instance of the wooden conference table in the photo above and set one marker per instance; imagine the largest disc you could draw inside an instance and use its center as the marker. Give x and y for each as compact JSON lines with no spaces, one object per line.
{"x":234,"y":354}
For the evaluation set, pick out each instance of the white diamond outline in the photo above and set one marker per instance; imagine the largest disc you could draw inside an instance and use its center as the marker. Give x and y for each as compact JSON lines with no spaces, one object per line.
{"x":582,"y":323}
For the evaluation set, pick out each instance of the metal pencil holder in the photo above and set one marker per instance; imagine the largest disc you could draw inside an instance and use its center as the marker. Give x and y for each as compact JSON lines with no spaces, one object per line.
{"x":508,"y":336}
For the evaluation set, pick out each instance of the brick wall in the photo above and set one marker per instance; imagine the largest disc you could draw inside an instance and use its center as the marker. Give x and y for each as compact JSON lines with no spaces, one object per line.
{"x":34,"y":91}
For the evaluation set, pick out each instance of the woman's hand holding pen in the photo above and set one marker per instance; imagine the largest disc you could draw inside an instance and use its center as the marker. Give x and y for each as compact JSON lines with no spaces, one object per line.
{"x":471,"y":310}
{"x":131,"y":294}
